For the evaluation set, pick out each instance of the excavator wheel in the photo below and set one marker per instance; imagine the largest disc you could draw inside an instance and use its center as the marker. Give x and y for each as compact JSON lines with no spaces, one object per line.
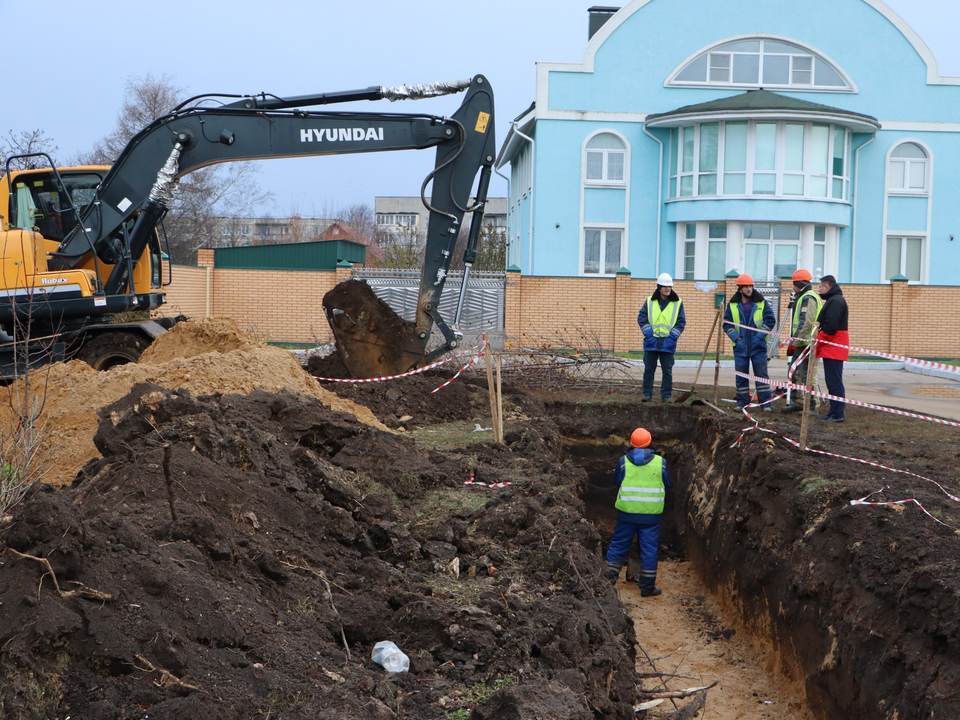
{"x":110,"y":349}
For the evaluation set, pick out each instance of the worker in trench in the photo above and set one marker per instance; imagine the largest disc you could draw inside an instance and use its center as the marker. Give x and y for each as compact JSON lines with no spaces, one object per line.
{"x":642,"y":478}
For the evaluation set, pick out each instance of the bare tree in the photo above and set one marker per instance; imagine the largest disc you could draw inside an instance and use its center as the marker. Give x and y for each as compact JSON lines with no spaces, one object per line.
{"x":204,"y":196}
{"x":491,"y":249}
{"x":360,"y":218}
{"x":402,"y":248}
{"x":24,"y":143}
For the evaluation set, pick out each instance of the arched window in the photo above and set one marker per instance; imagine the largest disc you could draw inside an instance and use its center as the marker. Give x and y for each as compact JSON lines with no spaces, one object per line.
{"x":605,"y":154}
{"x":761,"y":62}
{"x":907,"y":171}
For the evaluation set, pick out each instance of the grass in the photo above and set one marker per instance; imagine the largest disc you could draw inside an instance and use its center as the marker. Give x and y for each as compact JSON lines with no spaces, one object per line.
{"x":810,"y":485}
{"x":449,"y":436}
{"x":443,"y":503}
{"x":475,"y":695}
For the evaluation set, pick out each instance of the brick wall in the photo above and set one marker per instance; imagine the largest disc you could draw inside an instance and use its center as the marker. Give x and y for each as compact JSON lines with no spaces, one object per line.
{"x":187,"y":293}
{"x":285,"y":306}
{"x":915,"y":320}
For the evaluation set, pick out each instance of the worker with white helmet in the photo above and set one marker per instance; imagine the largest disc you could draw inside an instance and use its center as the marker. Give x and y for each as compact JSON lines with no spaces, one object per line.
{"x":661,"y":321}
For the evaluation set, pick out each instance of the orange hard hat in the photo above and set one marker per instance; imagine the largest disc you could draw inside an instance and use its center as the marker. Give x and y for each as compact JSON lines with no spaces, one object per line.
{"x":802,"y":276}
{"x":640,"y":438}
{"x":744,"y":280}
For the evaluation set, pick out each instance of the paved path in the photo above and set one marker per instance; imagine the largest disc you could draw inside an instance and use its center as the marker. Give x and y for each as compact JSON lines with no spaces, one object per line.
{"x":895,"y":388}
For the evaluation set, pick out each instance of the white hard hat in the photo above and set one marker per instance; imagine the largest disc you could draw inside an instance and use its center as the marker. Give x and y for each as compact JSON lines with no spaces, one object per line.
{"x":665,"y":280}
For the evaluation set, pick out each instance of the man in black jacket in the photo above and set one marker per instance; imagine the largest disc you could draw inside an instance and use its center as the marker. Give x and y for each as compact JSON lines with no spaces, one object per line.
{"x":833,"y":329}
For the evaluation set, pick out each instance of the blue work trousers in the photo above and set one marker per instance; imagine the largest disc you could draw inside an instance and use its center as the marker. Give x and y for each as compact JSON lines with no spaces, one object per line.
{"x":833,"y":375}
{"x":742,"y":364}
{"x":650,"y":359}
{"x":647,"y":531}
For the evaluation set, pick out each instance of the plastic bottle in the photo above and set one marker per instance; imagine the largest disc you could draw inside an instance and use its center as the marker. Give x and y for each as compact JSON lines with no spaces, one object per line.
{"x":390,"y":656}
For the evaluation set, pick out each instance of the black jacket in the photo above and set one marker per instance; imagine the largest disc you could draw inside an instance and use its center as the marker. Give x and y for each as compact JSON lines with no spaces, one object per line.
{"x":833,"y":315}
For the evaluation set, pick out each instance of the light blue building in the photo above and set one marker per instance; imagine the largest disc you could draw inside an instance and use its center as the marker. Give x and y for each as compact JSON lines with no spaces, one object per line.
{"x":703,"y":136}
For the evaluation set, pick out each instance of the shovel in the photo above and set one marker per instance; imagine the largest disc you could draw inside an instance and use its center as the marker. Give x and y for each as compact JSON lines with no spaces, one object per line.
{"x":682,"y":397}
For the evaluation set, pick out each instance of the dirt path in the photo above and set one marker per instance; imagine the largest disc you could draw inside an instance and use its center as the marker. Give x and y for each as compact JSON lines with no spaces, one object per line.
{"x":683,"y":631}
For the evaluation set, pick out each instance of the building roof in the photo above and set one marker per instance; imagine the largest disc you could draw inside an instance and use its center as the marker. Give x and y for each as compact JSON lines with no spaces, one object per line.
{"x":763,"y":103}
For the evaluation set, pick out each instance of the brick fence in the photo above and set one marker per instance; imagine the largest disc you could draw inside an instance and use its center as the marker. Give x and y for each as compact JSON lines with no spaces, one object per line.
{"x":285,"y":306}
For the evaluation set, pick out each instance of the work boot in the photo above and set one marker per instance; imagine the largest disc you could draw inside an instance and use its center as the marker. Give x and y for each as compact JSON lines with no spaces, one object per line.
{"x":650,"y":592}
{"x":646,"y":398}
{"x":667,"y":399}
{"x":791,"y":408}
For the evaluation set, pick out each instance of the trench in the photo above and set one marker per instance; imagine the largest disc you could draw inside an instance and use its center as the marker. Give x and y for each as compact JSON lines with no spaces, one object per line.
{"x":724,"y":593}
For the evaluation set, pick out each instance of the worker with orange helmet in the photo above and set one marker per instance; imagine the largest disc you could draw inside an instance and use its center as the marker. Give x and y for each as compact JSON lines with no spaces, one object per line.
{"x":642,"y":479}
{"x":806,"y":312}
{"x":748,"y":309}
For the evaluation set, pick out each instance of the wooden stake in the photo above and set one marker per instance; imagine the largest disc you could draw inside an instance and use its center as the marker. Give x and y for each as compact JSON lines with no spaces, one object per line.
{"x":716,"y":371}
{"x":706,"y":348}
{"x":499,"y":399}
{"x":490,"y":388}
{"x":811,"y":375}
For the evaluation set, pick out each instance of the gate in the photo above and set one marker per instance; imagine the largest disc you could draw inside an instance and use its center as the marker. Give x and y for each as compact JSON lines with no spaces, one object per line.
{"x":483,"y":306}
{"x":770,"y":289}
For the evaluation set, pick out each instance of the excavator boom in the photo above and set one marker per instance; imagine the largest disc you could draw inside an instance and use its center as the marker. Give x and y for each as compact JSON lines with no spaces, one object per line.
{"x":134,"y":196}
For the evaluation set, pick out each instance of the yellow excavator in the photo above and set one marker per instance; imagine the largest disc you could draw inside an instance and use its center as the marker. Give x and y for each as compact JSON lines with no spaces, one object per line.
{"x":81,"y":245}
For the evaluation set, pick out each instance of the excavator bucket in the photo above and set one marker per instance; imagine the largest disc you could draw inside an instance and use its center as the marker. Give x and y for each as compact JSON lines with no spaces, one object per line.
{"x":372,"y":339}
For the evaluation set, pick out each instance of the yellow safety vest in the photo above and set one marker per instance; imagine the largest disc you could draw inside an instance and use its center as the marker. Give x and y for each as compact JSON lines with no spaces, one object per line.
{"x":796,"y":315}
{"x":642,"y":491}
{"x":662,"y":321}
{"x":757,"y":314}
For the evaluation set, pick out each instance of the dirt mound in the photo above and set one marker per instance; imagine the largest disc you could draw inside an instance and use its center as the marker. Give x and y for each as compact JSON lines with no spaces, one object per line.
{"x":286,"y":541}
{"x":411,"y":401}
{"x":203,"y":335}
{"x":72,"y":392}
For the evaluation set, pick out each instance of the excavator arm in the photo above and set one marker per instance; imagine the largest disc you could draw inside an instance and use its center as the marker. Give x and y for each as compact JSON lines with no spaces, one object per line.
{"x":135,"y":194}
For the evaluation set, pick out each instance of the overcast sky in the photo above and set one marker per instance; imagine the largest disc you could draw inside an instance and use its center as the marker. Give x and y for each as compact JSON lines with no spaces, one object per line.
{"x":67,"y":72}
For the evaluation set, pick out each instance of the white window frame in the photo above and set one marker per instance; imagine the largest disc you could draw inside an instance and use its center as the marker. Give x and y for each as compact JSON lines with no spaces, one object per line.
{"x":603,"y":228}
{"x":907,"y":162}
{"x":734,"y":245}
{"x":924,"y":253}
{"x":604,"y":180}
{"x":804,"y":50}
{"x":920,"y":232}
{"x":779,"y":166}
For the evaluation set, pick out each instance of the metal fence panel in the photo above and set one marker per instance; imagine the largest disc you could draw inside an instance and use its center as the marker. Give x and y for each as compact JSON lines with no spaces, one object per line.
{"x":483,"y":306}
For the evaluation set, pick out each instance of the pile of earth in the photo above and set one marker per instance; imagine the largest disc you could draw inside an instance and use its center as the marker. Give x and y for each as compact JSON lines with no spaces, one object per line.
{"x":229,"y":556}
{"x":415,"y":400}
{"x":204,"y":356}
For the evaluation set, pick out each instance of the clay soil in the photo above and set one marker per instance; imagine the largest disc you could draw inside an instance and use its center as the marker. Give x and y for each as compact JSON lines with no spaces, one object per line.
{"x":236,"y":537}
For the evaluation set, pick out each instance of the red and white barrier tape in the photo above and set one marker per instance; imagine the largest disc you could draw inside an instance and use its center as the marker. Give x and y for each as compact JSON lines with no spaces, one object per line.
{"x":471,"y":481}
{"x":863,"y":501}
{"x":862,"y":462}
{"x":846,"y":400}
{"x":406,"y":374}
{"x":472,"y":361}
{"x":930,"y":364}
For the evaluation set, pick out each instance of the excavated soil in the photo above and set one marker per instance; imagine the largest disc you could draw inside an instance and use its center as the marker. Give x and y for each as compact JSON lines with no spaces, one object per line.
{"x":235,"y":551}
{"x":203,"y":356}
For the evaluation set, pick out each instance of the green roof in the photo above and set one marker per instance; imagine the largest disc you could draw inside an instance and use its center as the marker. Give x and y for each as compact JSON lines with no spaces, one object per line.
{"x":761,"y":101}
{"x":322,"y":255}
